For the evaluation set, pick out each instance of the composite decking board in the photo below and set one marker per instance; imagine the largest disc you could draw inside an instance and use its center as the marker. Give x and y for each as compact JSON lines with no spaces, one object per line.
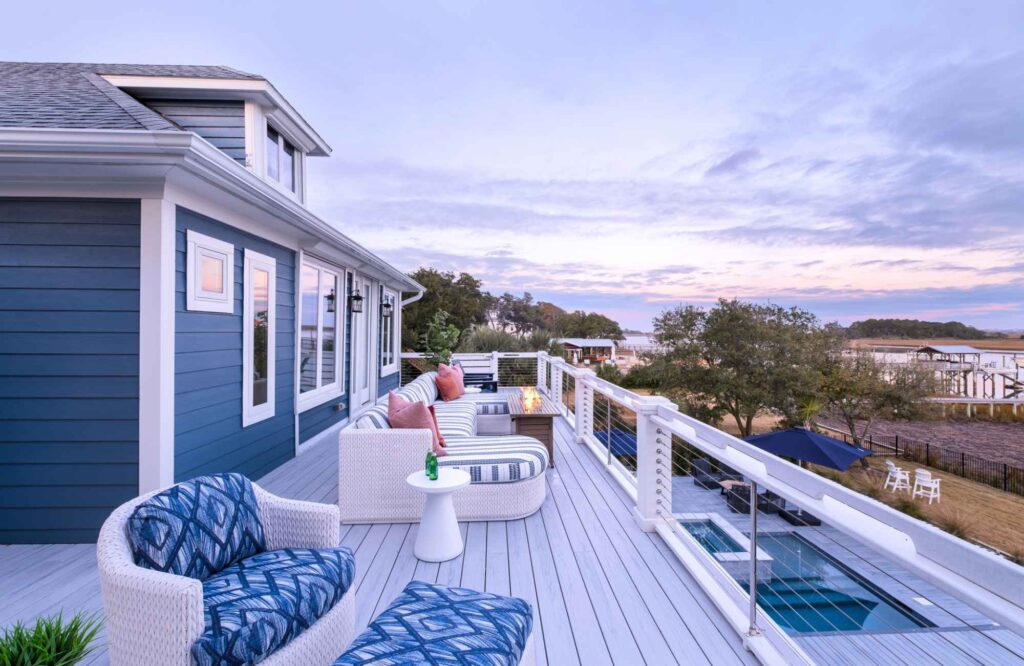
{"x":401,"y":573}
{"x":497,"y":569}
{"x":559,"y":641}
{"x":658,"y":631}
{"x":623,"y":642}
{"x":450,"y":572}
{"x":474,"y":559}
{"x":520,"y":569}
{"x":372,"y":585}
{"x":658,"y":573}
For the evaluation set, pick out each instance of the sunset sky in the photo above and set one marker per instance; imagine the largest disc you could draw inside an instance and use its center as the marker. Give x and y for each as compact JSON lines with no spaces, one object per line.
{"x":859,"y":160}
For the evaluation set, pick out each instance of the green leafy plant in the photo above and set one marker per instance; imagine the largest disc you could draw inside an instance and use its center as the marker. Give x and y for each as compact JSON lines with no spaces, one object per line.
{"x":440,"y":339}
{"x":51,"y":641}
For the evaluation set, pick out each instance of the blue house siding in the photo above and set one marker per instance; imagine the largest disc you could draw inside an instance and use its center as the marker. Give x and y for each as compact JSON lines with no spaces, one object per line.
{"x":221,"y":122}
{"x":389,"y":383}
{"x":315,"y":420}
{"x":208,"y":433}
{"x":69,"y":366}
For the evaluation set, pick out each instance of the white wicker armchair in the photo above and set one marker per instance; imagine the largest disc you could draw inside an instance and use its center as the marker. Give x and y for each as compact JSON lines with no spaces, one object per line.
{"x":373,"y":465}
{"x":154,"y":618}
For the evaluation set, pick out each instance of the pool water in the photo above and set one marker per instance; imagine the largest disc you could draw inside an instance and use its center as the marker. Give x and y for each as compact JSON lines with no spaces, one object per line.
{"x":711,"y":536}
{"x":810,"y":592}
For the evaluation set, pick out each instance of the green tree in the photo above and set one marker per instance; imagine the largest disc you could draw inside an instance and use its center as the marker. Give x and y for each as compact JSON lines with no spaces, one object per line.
{"x":439,"y":339}
{"x":860,"y":390}
{"x":516,"y":314}
{"x":742,"y":358}
{"x":483,"y":339}
{"x":580,"y":324}
{"x":458,"y":295}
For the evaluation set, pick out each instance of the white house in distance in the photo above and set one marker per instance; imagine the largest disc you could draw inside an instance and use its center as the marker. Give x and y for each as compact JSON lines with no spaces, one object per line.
{"x":169,"y":306}
{"x":588,"y":350}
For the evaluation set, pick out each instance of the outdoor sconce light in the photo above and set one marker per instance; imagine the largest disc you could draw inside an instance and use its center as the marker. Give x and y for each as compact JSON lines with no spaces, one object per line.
{"x":386,"y":309}
{"x":330,"y":301}
{"x":356,"y":302}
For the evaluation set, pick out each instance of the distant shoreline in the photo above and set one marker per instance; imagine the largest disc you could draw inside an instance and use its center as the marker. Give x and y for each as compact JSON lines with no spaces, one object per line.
{"x":992,"y":344}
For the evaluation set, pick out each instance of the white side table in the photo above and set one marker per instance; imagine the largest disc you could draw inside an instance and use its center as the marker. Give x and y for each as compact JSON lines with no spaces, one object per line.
{"x":438,"y":538}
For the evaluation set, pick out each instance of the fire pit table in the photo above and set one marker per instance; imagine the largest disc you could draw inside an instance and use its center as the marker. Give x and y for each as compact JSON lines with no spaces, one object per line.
{"x":533,"y":415}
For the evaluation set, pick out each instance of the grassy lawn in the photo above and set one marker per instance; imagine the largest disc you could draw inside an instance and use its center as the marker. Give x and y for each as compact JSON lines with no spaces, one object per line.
{"x":969,"y":510}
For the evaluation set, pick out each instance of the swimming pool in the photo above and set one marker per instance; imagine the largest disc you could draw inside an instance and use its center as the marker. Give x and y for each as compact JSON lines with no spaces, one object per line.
{"x":811,"y":592}
{"x":711,"y":536}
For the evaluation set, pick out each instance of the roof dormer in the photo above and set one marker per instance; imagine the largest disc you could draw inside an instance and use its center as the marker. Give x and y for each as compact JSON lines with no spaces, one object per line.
{"x":246,"y":118}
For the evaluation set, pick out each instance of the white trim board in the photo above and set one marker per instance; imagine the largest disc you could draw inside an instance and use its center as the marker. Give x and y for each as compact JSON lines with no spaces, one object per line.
{"x":254,"y":261}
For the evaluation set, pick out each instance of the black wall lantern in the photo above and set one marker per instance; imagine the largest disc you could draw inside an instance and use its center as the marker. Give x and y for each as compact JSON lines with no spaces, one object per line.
{"x":356,"y":302}
{"x":386,"y":309}
{"x":330,"y":301}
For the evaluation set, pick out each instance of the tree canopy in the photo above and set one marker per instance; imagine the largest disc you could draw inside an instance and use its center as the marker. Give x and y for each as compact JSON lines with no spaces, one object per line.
{"x":468,"y":308}
{"x":457,"y":295}
{"x":741,"y":358}
{"x":913,"y":328}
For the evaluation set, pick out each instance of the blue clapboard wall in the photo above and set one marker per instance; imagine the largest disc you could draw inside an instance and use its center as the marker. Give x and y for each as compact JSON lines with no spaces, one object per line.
{"x":208,"y":433}
{"x":69,"y":367}
{"x":221,"y":122}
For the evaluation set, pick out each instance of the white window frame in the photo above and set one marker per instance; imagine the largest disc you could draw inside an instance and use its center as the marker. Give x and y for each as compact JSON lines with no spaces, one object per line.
{"x":322,"y":394}
{"x":196,"y":299}
{"x":255,"y":413}
{"x":389,"y":368}
{"x":298,"y":164}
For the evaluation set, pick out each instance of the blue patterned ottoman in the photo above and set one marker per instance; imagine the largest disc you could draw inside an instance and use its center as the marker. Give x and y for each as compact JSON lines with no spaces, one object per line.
{"x":437,"y":625}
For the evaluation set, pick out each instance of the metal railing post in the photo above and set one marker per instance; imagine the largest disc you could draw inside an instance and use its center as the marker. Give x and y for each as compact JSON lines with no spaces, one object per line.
{"x":753,"y":630}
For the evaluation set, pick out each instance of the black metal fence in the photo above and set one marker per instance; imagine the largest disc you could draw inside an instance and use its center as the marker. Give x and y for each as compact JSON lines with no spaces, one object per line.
{"x":1003,"y":476}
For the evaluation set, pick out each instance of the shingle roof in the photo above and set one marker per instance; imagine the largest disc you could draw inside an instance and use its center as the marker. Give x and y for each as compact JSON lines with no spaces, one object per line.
{"x":76,"y":96}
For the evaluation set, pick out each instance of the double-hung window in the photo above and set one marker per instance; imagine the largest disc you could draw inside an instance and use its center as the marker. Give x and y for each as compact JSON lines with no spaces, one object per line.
{"x":281,"y":160}
{"x":322,"y":333}
{"x":388,"y":338}
{"x":258,"y":331}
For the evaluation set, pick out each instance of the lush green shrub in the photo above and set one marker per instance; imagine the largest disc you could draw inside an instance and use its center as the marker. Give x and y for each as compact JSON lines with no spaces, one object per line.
{"x":51,"y":641}
{"x":484,"y":339}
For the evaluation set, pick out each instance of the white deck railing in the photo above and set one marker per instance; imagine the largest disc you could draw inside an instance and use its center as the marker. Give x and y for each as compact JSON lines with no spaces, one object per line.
{"x":603,"y":415}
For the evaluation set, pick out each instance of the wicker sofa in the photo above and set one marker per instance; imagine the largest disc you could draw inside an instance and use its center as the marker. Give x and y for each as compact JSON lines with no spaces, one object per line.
{"x":165,"y":574}
{"x":507,"y":471}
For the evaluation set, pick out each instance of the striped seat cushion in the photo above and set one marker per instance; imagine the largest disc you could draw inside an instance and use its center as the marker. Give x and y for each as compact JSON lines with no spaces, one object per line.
{"x":375,"y":419}
{"x":455,"y":419}
{"x":496,"y":459}
{"x":422,"y":389}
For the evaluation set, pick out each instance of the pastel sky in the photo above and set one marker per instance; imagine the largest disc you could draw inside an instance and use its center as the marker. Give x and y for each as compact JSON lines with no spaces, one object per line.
{"x":857,"y":159}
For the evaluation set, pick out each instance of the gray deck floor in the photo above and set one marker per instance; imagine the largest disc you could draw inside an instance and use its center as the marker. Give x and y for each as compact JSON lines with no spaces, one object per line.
{"x":603,"y":591}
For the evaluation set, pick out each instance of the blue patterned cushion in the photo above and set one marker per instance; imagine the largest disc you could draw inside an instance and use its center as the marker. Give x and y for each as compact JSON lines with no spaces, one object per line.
{"x":442,"y":626}
{"x":260,"y":604}
{"x":198,"y":527}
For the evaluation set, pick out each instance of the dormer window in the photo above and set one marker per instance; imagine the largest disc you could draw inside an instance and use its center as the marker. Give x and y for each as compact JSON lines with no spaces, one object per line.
{"x":280,"y":160}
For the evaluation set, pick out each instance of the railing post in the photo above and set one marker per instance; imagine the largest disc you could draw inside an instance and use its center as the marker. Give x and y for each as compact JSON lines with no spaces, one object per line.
{"x":583,"y":406}
{"x":753,"y":630}
{"x":557,"y":375}
{"x":494,"y":366}
{"x":541,"y":371}
{"x":653,"y":464}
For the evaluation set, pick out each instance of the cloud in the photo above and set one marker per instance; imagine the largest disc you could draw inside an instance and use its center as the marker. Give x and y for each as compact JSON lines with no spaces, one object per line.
{"x":734,"y":162}
{"x":972,"y":105}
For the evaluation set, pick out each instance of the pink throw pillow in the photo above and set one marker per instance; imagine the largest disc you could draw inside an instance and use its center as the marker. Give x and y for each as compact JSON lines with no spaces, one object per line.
{"x":414,"y":415}
{"x":449,"y":382}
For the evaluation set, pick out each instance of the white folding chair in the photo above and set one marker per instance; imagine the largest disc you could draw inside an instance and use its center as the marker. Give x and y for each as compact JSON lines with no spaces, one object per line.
{"x":897,"y":478}
{"x":925,"y":485}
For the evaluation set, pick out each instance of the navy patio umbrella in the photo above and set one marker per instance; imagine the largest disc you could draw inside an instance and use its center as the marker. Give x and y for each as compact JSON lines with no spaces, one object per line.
{"x":810,"y":446}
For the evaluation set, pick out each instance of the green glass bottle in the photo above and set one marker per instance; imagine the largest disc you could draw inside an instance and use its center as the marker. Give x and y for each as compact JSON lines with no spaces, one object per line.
{"x":431,"y":468}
